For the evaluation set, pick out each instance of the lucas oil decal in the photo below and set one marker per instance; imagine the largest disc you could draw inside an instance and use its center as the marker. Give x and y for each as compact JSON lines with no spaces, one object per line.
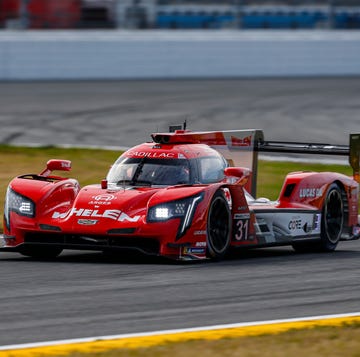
{"x":310,"y":192}
{"x":113,"y":214}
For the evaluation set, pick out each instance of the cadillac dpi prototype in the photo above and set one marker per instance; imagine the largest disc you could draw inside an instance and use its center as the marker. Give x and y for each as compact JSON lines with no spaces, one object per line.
{"x":185,"y":195}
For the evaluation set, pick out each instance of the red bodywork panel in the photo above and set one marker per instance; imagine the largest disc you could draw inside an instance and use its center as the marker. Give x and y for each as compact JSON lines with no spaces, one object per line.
{"x":310,"y":188}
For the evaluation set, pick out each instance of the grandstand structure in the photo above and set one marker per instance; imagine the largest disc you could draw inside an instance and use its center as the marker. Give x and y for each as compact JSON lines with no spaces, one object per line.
{"x":180,"y":14}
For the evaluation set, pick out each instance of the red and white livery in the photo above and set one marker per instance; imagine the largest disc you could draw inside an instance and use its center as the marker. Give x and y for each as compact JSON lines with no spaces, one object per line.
{"x":185,"y":195}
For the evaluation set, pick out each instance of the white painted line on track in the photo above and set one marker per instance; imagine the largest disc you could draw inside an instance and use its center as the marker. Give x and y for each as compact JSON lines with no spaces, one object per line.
{"x":176,"y":331}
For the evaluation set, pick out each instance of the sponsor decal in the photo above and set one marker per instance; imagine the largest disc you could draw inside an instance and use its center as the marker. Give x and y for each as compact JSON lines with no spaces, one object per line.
{"x":87,"y":222}
{"x":241,"y":142}
{"x":113,"y":214}
{"x":103,"y":199}
{"x":356,"y":231}
{"x":228,"y":198}
{"x":194,"y":251}
{"x":317,"y":221}
{"x":305,"y":224}
{"x":200,"y":244}
{"x":310,"y":192}
{"x":242,"y":216}
{"x":199,"y":233}
{"x":295,"y":223}
{"x":155,"y":155}
{"x":65,"y":164}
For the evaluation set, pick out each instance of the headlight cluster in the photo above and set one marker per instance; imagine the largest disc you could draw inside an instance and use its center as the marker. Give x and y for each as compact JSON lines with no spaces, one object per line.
{"x":183,"y":209}
{"x":19,"y":204}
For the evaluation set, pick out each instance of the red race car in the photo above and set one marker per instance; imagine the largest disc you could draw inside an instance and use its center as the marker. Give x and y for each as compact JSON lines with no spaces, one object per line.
{"x":185,"y":195}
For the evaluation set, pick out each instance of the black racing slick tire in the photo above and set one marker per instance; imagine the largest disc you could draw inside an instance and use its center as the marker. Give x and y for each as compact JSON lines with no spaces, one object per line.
{"x":332,"y":220}
{"x":41,"y":252}
{"x":218,"y":227}
{"x":332,"y":223}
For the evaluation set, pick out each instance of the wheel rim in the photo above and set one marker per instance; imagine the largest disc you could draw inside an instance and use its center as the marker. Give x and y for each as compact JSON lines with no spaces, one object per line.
{"x":218,"y":230}
{"x":333,"y":216}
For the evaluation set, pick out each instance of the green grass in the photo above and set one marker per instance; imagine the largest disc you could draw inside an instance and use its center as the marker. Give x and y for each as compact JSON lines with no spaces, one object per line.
{"x":91,"y":165}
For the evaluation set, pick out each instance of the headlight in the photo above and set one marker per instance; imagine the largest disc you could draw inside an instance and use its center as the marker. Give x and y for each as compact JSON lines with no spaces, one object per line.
{"x":183,"y":209}
{"x":19,"y":204}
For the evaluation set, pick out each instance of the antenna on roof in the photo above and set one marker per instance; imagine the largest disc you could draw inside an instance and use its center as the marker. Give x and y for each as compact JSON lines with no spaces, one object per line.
{"x":173,"y":128}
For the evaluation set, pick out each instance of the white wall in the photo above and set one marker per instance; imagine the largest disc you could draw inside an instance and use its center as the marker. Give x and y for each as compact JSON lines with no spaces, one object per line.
{"x":120,"y":54}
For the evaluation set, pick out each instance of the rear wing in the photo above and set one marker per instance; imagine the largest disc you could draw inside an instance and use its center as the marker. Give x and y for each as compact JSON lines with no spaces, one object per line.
{"x":352,"y":150}
{"x":241,"y":147}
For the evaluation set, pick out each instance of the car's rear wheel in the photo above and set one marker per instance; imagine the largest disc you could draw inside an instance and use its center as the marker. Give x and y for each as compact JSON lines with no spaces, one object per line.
{"x":41,"y":252}
{"x":332,"y":223}
{"x":218,"y":227}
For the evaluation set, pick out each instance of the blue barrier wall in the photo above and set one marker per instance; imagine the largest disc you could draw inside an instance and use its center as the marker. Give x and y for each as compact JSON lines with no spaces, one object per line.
{"x":48,"y":55}
{"x":258,"y":20}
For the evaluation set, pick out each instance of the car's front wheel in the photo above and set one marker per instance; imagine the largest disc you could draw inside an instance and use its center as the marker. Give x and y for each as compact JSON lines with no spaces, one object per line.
{"x":218,"y":227}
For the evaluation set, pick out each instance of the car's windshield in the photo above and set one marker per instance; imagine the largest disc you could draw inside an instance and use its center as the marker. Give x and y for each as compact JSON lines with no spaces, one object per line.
{"x":149,"y":172}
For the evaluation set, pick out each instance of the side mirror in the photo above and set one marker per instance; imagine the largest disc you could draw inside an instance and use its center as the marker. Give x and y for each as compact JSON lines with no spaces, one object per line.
{"x":52,"y":165}
{"x":104,"y":184}
{"x":237,"y":175}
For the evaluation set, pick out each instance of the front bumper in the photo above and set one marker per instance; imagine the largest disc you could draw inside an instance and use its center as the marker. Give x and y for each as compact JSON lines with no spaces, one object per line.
{"x":149,"y":246}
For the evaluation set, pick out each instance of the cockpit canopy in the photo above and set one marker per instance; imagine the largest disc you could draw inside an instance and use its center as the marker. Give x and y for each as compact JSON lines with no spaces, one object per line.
{"x":149,"y":171}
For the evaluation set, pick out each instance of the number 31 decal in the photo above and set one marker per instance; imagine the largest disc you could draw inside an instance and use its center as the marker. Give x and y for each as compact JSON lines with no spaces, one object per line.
{"x":241,"y":227}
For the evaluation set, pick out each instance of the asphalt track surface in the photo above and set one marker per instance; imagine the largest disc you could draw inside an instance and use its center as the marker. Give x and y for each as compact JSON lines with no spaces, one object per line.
{"x":125,"y":113}
{"x":84,"y":294}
